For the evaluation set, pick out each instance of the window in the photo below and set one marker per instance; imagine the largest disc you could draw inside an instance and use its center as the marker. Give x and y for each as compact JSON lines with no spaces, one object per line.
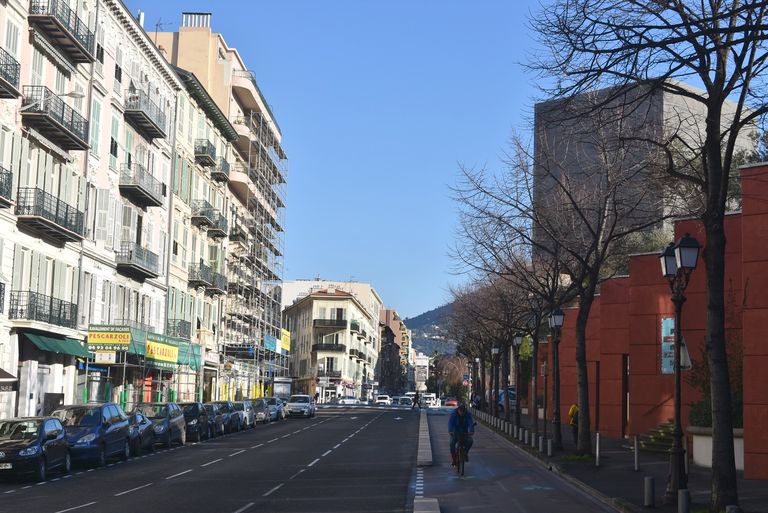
{"x":99,"y":64}
{"x":61,"y":82}
{"x":12,"y":38}
{"x":115,"y":134}
{"x":118,"y":71}
{"x":95,"y":126}
{"x":36,"y":77}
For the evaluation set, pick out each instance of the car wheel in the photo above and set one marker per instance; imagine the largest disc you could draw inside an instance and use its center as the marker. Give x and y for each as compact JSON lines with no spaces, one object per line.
{"x":102,"y":456}
{"x":67,"y":467}
{"x":168,"y":439}
{"x":42,"y":469}
{"x":183,"y":437}
{"x":126,"y":452}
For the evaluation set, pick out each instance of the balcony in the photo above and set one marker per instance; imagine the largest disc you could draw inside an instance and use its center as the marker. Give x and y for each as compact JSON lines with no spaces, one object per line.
{"x":137,"y":262}
{"x":205,"y":152}
{"x":200,"y":275}
{"x":220,"y":173}
{"x":219,"y":226}
{"x":337,"y":348}
{"x":32,"y":306}
{"x":64,"y":28}
{"x":139,"y":186}
{"x":330,"y":323}
{"x":144,"y":115}
{"x":44,"y":110}
{"x":218,"y":286}
{"x":328,"y":374}
{"x":49,"y":215}
{"x":6,"y":187}
{"x":179,"y":328}
{"x":354,"y":326}
{"x":237,"y":233}
{"x":9,"y":75}
{"x":202,"y":213}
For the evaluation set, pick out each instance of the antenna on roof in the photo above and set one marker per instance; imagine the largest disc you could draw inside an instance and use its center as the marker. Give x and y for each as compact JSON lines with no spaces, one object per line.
{"x":159,"y":24}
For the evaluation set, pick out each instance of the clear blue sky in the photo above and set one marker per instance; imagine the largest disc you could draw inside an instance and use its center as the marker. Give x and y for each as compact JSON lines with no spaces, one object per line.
{"x":378,"y":102}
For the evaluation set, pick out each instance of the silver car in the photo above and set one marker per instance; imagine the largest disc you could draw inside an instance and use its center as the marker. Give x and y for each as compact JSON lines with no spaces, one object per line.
{"x":301,"y":405}
{"x":276,"y":408}
{"x":245,"y":408}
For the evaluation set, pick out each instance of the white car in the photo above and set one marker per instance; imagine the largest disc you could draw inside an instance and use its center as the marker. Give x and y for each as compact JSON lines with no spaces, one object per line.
{"x":383,"y":399}
{"x":300,"y":405}
{"x":348,"y":399}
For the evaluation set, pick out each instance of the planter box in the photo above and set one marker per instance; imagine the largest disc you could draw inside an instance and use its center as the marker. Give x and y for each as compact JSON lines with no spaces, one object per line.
{"x":702,"y":446}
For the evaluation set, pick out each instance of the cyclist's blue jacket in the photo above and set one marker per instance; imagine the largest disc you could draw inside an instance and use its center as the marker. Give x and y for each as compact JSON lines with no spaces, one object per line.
{"x":461,"y":423}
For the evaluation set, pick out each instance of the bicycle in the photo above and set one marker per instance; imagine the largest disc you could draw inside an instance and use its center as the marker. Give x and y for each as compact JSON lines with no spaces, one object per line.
{"x":461,"y":452}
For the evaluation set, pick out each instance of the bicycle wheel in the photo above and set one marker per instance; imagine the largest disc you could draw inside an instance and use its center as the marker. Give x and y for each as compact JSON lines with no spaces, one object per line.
{"x":460,"y":463}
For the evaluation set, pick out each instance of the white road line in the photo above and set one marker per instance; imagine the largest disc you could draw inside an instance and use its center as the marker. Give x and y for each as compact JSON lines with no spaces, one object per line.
{"x":316,"y":460}
{"x":180,"y":474}
{"x":244,"y":507}
{"x":78,"y":473}
{"x":286,"y":436}
{"x":297,"y":431}
{"x":237,"y":452}
{"x":336,"y":446}
{"x":76,"y":507}
{"x":273,"y":440}
{"x":67,"y":476}
{"x":347,"y":438}
{"x":25,"y":487}
{"x":133,"y":489}
{"x":276,"y":488}
{"x":326,"y":453}
{"x":211,"y":462}
{"x":256,"y":446}
{"x":41,"y":484}
{"x":56,"y":479}
{"x":296,"y":474}
{"x":10,"y":491}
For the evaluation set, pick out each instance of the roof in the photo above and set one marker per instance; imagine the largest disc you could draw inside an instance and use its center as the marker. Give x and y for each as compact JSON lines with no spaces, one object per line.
{"x":202,"y":97}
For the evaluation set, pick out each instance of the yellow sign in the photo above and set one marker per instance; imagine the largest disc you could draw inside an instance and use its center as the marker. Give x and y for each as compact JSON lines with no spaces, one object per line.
{"x":162,"y":352}
{"x":285,"y":340}
{"x":109,"y":340}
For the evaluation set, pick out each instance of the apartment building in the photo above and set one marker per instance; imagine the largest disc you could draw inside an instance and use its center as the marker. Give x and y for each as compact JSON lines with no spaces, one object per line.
{"x":250,"y":323}
{"x":392,"y":363}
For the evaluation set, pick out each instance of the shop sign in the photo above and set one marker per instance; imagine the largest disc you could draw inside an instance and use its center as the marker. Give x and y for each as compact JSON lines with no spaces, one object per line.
{"x":668,"y":345}
{"x":104,"y":357}
{"x":285,"y":340}
{"x":270,"y":342}
{"x":109,"y":338}
{"x":212,"y":357}
{"x":161,"y":351}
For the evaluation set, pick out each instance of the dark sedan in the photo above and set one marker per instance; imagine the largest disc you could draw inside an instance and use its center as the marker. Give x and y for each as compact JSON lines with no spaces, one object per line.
{"x":215,"y":419}
{"x":33,"y":446}
{"x":95,"y":431}
{"x":197,"y":420}
{"x":142,"y":433}
{"x":168,"y":422}
{"x":230,"y":416}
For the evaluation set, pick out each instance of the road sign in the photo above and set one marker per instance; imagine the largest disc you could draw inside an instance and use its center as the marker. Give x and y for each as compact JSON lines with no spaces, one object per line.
{"x":466,"y":377}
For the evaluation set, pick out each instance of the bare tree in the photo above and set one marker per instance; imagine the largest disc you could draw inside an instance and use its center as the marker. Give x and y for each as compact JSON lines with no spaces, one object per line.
{"x":648,"y":47}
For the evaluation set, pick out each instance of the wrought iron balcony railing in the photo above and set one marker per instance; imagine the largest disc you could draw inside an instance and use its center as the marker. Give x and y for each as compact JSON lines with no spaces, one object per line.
{"x":218,"y":284}
{"x":205,"y":152}
{"x":179,"y":328}
{"x":200,"y":275}
{"x":9,"y":75}
{"x":144,"y":114}
{"x":140,"y":186}
{"x":64,"y":27}
{"x":329,"y":323}
{"x":218,"y":227}
{"x":6,"y":187}
{"x":137,"y":260}
{"x":47,"y":112}
{"x":328,"y":374}
{"x":340,"y":348}
{"x":221,"y":172}
{"x":47,"y":213}
{"x":32,"y":306}
{"x":202,"y":213}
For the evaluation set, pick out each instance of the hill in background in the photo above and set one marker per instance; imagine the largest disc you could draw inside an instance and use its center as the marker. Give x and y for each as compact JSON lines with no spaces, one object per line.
{"x":429,"y":330}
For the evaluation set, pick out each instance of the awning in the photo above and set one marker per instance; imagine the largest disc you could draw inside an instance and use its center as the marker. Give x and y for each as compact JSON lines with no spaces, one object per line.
{"x":8,"y":382}
{"x":190,"y":355}
{"x":58,"y":344}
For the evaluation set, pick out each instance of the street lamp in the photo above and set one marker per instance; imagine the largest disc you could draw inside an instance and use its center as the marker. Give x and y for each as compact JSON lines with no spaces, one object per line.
{"x":517,"y":341}
{"x":677,"y":263}
{"x":477,"y":387}
{"x":544,"y":375}
{"x":495,"y":384}
{"x":556,"y":319}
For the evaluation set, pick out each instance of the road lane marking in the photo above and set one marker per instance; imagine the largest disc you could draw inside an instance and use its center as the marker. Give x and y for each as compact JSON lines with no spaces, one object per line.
{"x":326,"y":453}
{"x":286,"y":436}
{"x":211,"y":462}
{"x":256,"y":446}
{"x":76,"y":507}
{"x":41,"y":484}
{"x":10,"y":491}
{"x":273,"y":440}
{"x":133,"y":489}
{"x":25,"y":487}
{"x":56,"y":479}
{"x":180,"y":474}
{"x":245,"y":507}
{"x":316,"y":460}
{"x":237,"y":452}
{"x":337,"y":446}
{"x":296,"y":474}
{"x":297,"y":431}
{"x":276,"y":488}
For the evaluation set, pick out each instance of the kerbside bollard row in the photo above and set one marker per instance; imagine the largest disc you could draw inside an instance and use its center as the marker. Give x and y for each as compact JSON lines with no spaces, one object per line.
{"x":523,"y":435}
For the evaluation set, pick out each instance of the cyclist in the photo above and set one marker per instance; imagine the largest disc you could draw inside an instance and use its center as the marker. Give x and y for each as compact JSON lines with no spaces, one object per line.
{"x":461,"y":423}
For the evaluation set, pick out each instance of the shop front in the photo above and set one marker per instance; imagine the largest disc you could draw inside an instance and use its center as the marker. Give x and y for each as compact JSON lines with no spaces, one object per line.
{"x":116,"y":372}
{"x":210,"y":376}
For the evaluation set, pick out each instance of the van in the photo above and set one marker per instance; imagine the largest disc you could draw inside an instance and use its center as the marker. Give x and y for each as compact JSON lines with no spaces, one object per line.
{"x":429,"y":400}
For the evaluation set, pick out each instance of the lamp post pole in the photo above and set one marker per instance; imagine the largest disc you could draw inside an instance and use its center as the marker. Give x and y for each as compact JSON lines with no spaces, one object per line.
{"x":495,"y":380}
{"x":677,"y":263}
{"x":516,"y":343}
{"x":556,"y":319}
{"x":544,"y":375}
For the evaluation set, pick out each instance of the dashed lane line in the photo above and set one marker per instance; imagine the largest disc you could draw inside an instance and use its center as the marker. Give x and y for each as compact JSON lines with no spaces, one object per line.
{"x":273,"y":440}
{"x":245,"y":507}
{"x":9,"y":491}
{"x":180,"y":474}
{"x":256,"y":446}
{"x":286,"y":435}
{"x":326,"y":453}
{"x":316,"y":460}
{"x":337,"y":446}
{"x":276,"y":488}
{"x":76,"y":507}
{"x":297,"y":473}
{"x":211,"y":462}
{"x":237,"y":452}
{"x":133,"y":489}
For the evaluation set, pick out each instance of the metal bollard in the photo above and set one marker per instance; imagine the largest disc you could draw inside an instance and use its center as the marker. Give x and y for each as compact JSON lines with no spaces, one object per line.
{"x":649,"y":495}
{"x":683,"y":501}
{"x":514,"y":432}
{"x":541,"y":443}
{"x":637,"y":454}
{"x":533,"y":440}
{"x":525,"y":437}
{"x":685,"y":453}
{"x":597,"y":449}
{"x":549,"y":447}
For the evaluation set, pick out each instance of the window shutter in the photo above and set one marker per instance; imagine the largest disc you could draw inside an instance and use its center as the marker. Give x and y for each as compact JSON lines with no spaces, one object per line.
{"x":110,"y":238}
{"x":102,"y":208}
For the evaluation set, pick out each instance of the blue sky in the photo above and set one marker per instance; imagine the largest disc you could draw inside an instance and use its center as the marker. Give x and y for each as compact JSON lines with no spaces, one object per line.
{"x":379,"y":102}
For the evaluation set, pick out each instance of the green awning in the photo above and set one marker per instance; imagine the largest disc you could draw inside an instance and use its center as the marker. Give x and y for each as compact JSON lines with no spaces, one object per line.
{"x":190,"y":354}
{"x":58,"y":344}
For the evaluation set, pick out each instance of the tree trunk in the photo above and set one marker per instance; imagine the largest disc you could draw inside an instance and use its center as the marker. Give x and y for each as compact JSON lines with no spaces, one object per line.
{"x":518,"y":406}
{"x":724,"y":485}
{"x":557,"y":431}
{"x":533,"y":403}
{"x":495,"y":385}
{"x":584,"y":445}
{"x":505,"y":380}
{"x":483,"y":377}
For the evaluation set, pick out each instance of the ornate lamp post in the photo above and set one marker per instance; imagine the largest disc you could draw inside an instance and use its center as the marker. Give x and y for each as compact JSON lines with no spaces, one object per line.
{"x":517,"y":341}
{"x":677,"y":263}
{"x":556,"y":319}
{"x":495,"y":380}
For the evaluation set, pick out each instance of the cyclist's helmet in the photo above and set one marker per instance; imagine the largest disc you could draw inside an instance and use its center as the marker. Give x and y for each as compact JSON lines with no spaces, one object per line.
{"x":461,"y":408}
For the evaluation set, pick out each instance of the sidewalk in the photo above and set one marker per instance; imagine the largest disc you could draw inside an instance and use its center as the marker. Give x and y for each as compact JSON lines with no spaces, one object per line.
{"x":616,"y":477}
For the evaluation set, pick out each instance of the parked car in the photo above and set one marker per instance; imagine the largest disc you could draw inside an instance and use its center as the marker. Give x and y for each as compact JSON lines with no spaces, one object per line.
{"x":33,"y":446}
{"x":276,"y":408}
{"x":245,"y":407}
{"x":142,"y":433}
{"x":196,"y":419}
{"x":215,"y":420}
{"x":230,"y":416}
{"x":95,"y":431}
{"x":382,"y":399}
{"x":261,"y":411}
{"x":405,"y":401}
{"x":451,"y":401}
{"x":301,"y":405}
{"x":348,"y":399}
{"x":168,"y":421}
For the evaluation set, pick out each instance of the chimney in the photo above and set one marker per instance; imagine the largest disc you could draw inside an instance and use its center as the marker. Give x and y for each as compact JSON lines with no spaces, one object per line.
{"x":141,"y":19}
{"x":196,"y":19}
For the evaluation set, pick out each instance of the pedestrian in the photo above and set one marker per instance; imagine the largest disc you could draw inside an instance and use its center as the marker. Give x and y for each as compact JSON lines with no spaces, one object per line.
{"x":416,"y":401}
{"x":317,"y":396}
{"x":573,"y":416}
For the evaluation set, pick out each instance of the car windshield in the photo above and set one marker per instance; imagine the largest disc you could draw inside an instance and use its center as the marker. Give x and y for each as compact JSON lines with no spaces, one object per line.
{"x":190,"y":409}
{"x":239,"y":406}
{"x":153,"y":411}
{"x":258,"y":403}
{"x":272,"y":401}
{"x":299,"y":399}
{"x":224,"y":408}
{"x":210,"y":409}
{"x":19,"y":429}
{"x":83,"y":416}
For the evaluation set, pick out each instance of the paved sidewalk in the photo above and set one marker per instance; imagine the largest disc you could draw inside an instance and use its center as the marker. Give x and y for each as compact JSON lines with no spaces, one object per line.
{"x":616,"y":477}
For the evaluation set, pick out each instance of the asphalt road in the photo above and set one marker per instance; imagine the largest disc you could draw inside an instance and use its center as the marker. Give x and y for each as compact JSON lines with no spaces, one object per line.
{"x":353,"y":460}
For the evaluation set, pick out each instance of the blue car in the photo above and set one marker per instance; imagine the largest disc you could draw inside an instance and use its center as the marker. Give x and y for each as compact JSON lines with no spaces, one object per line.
{"x":95,"y":431}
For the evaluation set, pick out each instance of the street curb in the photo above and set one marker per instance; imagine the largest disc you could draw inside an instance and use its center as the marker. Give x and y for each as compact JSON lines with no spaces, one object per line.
{"x":424,"y":454}
{"x":426,"y":506}
{"x":614,"y":502}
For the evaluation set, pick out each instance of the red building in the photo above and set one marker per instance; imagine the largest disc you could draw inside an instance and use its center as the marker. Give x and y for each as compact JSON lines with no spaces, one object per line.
{"x":631,"y":322}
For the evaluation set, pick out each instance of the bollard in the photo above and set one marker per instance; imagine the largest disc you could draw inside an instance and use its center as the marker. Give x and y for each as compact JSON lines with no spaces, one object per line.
{"x":649,"y":495}
{"x":541,"y":443}
{"x":597,"y":449}
{"x":549,"y":447}
{"x":533,"y":440}
{"x":514,"y":431}
{"x":637,"y":454}
{"x":685,"y":453}
{"x":683,"y":501}
{"x":525,"y":437}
